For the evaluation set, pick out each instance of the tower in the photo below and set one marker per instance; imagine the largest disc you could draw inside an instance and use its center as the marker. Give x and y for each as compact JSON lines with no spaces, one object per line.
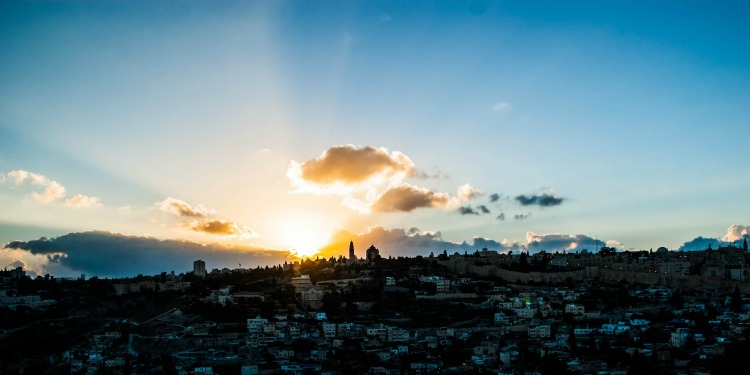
{"x":199,"y":268}
{"x":351,"y":251}
{"x":373,"y":253}
{"x":744,"y":245}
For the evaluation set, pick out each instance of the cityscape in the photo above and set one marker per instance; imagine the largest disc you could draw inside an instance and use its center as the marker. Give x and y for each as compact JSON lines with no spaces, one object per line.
{"x":587,"y":312}
{"x":374,"y":187}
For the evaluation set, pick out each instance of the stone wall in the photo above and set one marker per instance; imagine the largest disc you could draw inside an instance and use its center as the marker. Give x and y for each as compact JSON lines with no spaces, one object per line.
{"x":463,"y":267}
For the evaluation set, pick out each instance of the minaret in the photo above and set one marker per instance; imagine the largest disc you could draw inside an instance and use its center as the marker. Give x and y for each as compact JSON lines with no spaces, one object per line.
{"x":351,"y":251}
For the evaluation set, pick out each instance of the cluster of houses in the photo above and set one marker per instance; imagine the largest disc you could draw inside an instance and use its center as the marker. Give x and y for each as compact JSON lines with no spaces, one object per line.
{"x":545,"y":321}
{"x":515,"y":321}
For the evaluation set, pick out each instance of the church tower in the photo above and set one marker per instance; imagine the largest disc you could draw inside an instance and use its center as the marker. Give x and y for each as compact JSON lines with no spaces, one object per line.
{"x":351,"y":251}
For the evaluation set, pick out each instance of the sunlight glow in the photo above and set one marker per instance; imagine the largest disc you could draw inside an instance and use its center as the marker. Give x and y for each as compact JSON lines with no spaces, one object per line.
{"x":303,"y":235}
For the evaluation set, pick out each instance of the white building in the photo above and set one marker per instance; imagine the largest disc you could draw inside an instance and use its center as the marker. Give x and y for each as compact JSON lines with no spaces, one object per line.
{"x":575,"y":309}
{"x":256,"y":325}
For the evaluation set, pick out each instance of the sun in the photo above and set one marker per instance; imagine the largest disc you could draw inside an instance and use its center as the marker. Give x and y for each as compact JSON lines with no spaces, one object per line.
{"x":303,"y":236}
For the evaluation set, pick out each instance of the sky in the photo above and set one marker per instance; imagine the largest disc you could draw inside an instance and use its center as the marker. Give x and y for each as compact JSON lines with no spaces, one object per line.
{"x":137,"y":136}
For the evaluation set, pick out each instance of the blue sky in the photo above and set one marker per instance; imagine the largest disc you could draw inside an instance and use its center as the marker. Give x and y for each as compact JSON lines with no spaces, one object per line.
{"x":636,"y":114}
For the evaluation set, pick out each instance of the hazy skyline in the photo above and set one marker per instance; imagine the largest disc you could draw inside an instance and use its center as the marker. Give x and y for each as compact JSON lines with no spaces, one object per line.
{"x":421,"y":125}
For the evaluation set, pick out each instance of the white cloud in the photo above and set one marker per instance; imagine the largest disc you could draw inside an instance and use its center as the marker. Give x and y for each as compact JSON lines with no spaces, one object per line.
{"x":181,"y":208}
{"x":53,"y":190}
{"x":466,"y":193}
{"x":84,"y":201}
{"x":616,"y":244}
{"x":737,"y":232}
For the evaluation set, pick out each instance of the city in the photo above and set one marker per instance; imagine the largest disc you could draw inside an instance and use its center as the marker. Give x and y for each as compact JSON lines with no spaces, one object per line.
{"x":604,"y":312}
{"x":391,"y":187}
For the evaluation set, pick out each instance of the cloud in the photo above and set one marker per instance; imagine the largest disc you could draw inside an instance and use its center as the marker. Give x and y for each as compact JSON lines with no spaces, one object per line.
{"x":467,"y":210}
{"x":52,"y":191}
{"x":412,"y":242}
{"x":701,"y":243}
{"x":20,"y":176}
{"x":116,"y":255}
{"x":349,"y":165}
{"x":405,"y":198}
{"x":494,"y":197}
{"x":522,"y":216}
{"x":391,"y":242}
{"x":615,"y":244}
{"x":466,"y":193}
{"x":199,"y":219}
{"x":543,"y":200}
{"x":560,"y":242}
{"x":371,"y":179}
{"x":84,"y":201}
{"x":737,"y":232}
{"x":501,"y":106}
{"x":181,"y":208}
{"x":501,"y":217}
{"x":17,"y":263}
{"x":219,"y":227}
{"x":422,"y":175}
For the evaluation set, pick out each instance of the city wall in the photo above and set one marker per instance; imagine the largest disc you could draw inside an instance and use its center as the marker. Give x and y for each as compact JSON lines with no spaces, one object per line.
{"x":673,"y":281}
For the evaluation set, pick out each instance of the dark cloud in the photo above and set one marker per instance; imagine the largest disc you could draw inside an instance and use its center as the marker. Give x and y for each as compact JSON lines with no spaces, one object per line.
{"x":422,"y":175}
{"x":701,"y":243}
{"x":349,"y":164}
{"x":501,"y":217}
{"x":399,"y":242}
{"x":543,"y":200}
{"x":395,"y":242}
{"x":735,"y":235}
{"x":467,"y":210}
{"x":40,"y":246}
{"x":494,"y":197}
{"x":560,"y":242}
{"x":405,"y":198}
{"x":521,"y":216}
{"x":115,"y":255}
{"x":481,"y":242}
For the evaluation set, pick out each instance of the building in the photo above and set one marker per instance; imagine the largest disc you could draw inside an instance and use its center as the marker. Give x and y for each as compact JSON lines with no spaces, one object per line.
{"x":199,"y":268}
{"x":301,"y":281}
{"x":256,"y":325}
{"x":352,"y":257}
{"x":574,"y":309}
{"x":372,"y":253}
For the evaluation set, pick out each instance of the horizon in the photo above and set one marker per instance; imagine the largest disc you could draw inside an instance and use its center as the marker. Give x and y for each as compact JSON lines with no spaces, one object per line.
{"x":261,"y":127}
